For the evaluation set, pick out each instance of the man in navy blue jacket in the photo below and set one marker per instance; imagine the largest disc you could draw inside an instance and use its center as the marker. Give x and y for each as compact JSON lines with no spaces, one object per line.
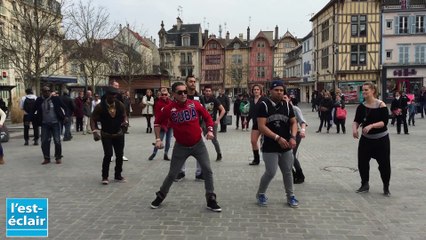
{"x":49,"y":113}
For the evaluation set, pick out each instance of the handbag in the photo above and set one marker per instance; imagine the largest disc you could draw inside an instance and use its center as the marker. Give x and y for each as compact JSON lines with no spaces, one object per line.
{"x":228,"y":119}
{"x":341,"y":113}
{"x":4,"y":134}
{"x":323,"y":109}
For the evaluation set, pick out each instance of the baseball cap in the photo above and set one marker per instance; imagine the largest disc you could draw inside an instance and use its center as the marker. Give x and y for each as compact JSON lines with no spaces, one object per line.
{"x":276,"y":83}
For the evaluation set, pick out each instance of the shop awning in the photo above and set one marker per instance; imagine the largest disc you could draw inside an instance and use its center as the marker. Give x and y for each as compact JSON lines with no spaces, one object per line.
{"x":59,"y":79}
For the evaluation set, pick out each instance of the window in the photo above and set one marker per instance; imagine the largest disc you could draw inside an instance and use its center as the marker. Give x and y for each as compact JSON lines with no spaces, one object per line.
{"x":74,"y":68}
{"x":212,"y":59}
{"x":212,"y":75}
{"x":420,"y":54}
{"x":403,"y":54}
{"x":359,"y":25}
{"x":186,"y":71}
{"x":4,"y":62}
{"x":260,"y":72}
{"x":403,"y":24}
{"x":389,"y":24}
{"x":420,"y":24}
{"x":186,"y":41}
{"x":358,"y":54}
{"x":261,"y":44}
{"x":388,"y":54}
{"x":186,"y":58}
{"x":236,"y":45}
{"x":324,"y":31}
{"x":237,"y":59}
{"x":213,"y":45}
{"x":260,"y":57}
{"x":324,"y":58}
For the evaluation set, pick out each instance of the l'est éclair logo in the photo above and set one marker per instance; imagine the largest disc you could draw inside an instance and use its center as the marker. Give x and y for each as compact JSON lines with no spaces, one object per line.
{"x":27,"y":217}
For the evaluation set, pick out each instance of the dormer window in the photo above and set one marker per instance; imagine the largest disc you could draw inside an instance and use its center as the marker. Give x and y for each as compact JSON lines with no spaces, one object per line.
{"x":186,"y":41}
{"x":236,"y":45}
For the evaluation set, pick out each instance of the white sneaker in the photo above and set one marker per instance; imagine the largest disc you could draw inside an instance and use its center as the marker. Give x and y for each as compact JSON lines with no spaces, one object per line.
{"x":125,"y":158}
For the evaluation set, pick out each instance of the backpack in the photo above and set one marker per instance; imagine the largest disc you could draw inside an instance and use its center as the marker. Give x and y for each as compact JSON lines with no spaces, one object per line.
{"x":29,"y":104}
{"x":244,"y":107}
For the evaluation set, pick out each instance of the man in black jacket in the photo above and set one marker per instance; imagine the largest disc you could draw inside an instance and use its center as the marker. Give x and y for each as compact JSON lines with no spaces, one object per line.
{"x":49,"y":116}
{"x":237,"y":112}
{"x":70,"y":106}
{"x":224,"y":100}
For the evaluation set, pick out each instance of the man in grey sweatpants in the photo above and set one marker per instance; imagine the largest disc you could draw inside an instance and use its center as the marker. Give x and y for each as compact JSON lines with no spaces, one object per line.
{"x":277,"y":123}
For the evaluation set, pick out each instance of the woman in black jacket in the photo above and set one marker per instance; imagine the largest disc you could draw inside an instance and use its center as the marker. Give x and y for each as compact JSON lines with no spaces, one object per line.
{"x":340,"y":122}
{"x":325,"y":108}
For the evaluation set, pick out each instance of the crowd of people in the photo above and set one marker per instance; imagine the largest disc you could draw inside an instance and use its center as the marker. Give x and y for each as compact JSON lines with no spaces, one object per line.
{"x":188,"y":115}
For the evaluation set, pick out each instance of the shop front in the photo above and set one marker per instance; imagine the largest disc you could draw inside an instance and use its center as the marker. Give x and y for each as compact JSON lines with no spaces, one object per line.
{"x":408,"y":79}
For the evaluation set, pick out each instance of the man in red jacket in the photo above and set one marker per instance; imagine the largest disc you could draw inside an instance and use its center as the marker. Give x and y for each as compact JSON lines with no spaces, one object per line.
{"x":183,"y":115}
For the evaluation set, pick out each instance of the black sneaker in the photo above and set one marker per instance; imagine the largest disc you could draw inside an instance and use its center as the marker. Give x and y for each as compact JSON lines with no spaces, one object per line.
{"x":180,"y":177}
{"x":199,"y":177}
{"x":151,"y":157}
{"x":26,"y":143}
{"x":158,"y":200}
{"x":219,"y":157}
{"x":364,"y":188}
{"x":166,"y":157}
{"x":212,"y":204}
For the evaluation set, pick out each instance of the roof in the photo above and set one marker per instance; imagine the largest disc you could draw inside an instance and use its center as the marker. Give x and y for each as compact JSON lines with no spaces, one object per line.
{"x":230,"y":45}
{"x":174,"y":35}
{"x":327,"y":6}
{"x":268,"y":35}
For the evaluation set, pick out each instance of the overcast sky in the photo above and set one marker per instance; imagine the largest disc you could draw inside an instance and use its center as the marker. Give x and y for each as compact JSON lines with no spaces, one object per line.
{"x":146,"y":15}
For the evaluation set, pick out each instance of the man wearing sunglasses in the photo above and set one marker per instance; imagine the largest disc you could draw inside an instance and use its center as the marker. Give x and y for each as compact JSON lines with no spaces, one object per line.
{"x":184,"y":115}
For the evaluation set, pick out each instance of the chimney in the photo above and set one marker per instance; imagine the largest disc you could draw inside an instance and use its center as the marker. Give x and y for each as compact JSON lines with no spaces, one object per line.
{"x":179,"y":23}
{"x":227,"y":35}
{"x":120,"y":27}
{"x":248,"y":34}
{"x":206,"y":36}
{"x":276,"y":33}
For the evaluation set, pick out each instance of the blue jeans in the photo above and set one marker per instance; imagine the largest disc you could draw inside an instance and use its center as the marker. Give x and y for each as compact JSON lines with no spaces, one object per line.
{"x":47,"y":131}
{"x":67,"y":129}
{"x":168,"y":136}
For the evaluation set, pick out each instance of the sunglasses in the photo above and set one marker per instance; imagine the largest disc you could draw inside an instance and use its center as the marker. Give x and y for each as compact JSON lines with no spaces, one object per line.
{"x":181,"y":92}
{"x":164,"y":94}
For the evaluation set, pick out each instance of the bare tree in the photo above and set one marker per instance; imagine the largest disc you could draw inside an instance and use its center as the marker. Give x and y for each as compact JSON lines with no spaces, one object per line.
{"x":91,"y":29}
{"x":32,"y":41}
{"x":237,"y":73}
{"x":132,"y":55}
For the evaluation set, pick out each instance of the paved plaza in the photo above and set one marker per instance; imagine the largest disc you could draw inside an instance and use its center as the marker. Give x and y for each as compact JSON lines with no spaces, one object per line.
{"x":81,"y":208}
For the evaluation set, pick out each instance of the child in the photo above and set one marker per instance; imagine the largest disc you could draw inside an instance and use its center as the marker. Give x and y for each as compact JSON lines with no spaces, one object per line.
{"x":412,"y":110}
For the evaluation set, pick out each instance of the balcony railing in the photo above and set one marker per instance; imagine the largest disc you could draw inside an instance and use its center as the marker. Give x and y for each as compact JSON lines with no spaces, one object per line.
{"x":403,"y":4}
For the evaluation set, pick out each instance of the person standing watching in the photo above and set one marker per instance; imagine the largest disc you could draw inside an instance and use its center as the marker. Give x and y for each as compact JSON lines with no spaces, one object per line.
{"x":212,"y":106}
{"x":78,"y":111}
{"x":148,"y":110}
{"x":399,"y":108}
{"x":165,"y":130}
{"x":27,"y":104}
{"x":111,"y":113}
{"x":2,"y":119}
{"x":237,"y":112}
{"x":257,"y":93}
{"x":184,"y":117}
{"x":50,"y":117}
{"x":373,"y":116}
{"x":278,"y":124}
{"x":70,"y":107}
{"x":224,"y":100}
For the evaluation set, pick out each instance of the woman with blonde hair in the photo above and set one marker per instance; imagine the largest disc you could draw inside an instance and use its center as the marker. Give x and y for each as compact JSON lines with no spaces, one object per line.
{"x":372,"y":115}
{"x":148,"y":109}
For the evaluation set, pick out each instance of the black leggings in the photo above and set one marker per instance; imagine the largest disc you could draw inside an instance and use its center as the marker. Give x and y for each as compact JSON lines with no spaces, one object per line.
{"x":148,"y":121}
{"x":378,"y":149}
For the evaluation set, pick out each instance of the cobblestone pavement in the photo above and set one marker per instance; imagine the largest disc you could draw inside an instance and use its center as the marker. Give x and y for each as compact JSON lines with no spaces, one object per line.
{"x":81,"y":208}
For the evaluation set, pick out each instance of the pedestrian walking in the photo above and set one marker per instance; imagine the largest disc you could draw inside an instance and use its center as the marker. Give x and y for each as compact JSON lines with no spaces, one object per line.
{"x":278,"y":125}
{"x":412,"y":110}
{"x":50,"y":116}
{"x":69,"y":110}
{"x":237,"y":112}
{"x":372,"y":116}
{"x":183,"y":115}
{"x":78,"y":111}
{"x":111,"y":113}
{"x":224,"y":100}
{"x":325,"y":107}
{"x":399,"y":108}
